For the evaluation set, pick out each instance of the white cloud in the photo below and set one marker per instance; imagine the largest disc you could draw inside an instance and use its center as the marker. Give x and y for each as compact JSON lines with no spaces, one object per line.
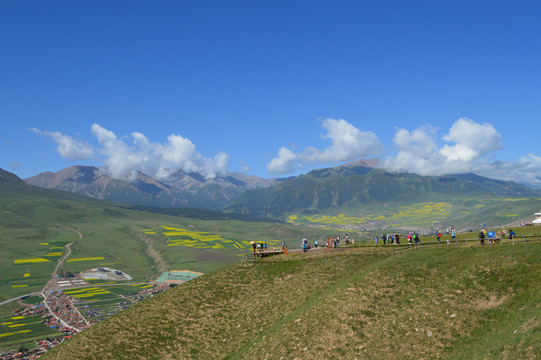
{"x":472,"y":140}
{"x":526,"y":170}
{"x":67,"y":146}
{"x":121,"y":160}
{"x":155,"y":159}
{"x":417,"y":152}
{"x":283,"y":162}
{"x":469,"y":150}
{"x":530,"y":170}
{"x":348,"y":143}
{"x":124,"y":160}
{"x":467,"y":146}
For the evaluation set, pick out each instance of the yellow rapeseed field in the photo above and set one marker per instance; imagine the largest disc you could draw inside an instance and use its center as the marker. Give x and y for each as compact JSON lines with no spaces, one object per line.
{"x":198,"y":239}
{"x":30,"y":261}
{"x":86,"y":259}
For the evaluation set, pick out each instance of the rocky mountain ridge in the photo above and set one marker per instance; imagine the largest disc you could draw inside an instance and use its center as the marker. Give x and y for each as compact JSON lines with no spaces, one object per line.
{"x":181,"y":189}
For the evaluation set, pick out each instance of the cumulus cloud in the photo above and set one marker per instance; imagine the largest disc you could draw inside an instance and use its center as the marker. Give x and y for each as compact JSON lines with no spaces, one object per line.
{"x":526,"y":170}
{"x":155,"y":159}
{"x":283,"y":162}
{"x":124,"y":160}
{"x":417,"y":152}
{"x":67,"y":146}
{"x":347,"y":143}
{"x":472,"y":140}
{"x":468,"y":149}
{"x":468,"y":144}
{"x":530,"y":170}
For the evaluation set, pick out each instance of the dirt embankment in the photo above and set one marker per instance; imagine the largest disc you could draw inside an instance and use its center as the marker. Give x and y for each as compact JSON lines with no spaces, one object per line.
{"x":153,"y":253}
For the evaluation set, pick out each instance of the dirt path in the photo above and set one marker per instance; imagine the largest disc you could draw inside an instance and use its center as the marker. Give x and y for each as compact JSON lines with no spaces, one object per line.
{"x":61,"y":260}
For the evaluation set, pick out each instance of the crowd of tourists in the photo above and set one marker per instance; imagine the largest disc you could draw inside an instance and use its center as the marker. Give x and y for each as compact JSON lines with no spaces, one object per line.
{"x":332,"y":242}
{"x":492,"y":237}
{"x":396,"y":238}
{"x":412,"y":238}
{"x":259,"y":247}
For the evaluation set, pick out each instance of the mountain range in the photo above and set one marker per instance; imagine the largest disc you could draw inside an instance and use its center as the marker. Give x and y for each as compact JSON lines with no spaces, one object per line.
{"x":351,"y":186}
{"x":180,"y":190}
{"x":354,"y":189}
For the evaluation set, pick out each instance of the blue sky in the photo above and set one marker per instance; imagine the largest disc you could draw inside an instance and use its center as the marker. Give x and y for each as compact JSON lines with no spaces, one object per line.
{"x":271,"y":88}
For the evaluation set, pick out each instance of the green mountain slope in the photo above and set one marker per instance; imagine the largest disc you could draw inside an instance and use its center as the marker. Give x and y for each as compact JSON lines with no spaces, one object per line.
{"x":474,"y":303}
{"x":363,"y":192}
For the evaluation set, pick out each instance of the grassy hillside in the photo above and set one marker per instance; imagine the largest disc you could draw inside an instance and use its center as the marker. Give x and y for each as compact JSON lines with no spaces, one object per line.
{"x":373,"y":198}
{"x":474,"y":303}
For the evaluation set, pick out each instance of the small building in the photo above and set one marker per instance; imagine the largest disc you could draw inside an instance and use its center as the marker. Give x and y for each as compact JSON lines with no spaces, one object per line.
{"x":537,"y":220}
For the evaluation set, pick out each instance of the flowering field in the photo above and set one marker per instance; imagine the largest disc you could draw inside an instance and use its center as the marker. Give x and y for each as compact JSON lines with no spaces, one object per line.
{"x":201,"y":239}
{"x":16,"y":329}
{"x":86,"y":259}
{"x":89,"y":293}
{"x":100,"y":302}
{"x":420,"y":214}
{"x":30,"y":261}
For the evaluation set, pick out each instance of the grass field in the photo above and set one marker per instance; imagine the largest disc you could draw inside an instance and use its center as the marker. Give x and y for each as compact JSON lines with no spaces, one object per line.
{"x":17,"y":331}
{"x":461,"y":213}
{"x":437,"y":303}
{"x":125,"y":242}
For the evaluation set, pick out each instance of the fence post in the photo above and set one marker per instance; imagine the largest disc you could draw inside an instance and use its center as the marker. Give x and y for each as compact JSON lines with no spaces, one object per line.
{"x":524,"y":239}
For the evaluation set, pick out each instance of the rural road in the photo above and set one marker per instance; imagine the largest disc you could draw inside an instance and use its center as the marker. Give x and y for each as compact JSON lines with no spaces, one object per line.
{"x":53,"y":280}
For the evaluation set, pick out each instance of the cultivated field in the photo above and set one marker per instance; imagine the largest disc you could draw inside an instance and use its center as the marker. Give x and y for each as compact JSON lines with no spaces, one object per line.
{"x":461,"y":213}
